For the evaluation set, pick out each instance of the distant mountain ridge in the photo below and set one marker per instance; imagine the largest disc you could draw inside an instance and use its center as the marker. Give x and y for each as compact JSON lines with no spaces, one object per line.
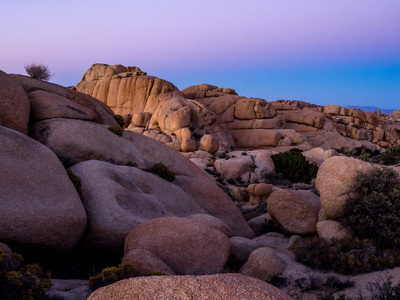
{"x":372,"y":109}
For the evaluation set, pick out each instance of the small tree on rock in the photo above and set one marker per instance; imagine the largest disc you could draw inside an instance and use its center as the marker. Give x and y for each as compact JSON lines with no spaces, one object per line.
{"x":38,"y":71}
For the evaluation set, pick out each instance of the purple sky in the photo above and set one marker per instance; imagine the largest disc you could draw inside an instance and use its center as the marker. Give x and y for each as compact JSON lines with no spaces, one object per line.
{"x":344,"y":52}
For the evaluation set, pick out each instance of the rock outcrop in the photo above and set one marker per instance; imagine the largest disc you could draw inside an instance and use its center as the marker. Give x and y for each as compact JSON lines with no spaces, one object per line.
{"x":41,"y":207}
{"x":182,"y":119}
{"x":39,"y":204}
{"x":14,"y":104}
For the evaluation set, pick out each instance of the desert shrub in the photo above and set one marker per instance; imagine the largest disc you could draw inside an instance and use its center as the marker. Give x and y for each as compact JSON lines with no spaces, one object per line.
{"x":38,"y":71}
{"x":222,"y":156}
{"x":116,"y":129}
{"x":120,"y":120}
{"x":21,"y":283}
{"x":345,"y":256}
{"x":277,"y":179}
{"x":294,"y":166}
{"x":384,"y":289}
{"x":373,"y":209}
{"x":391,"y":155}
{"x":362,"y":152}
{"x":76,"y":180}
{"x":326,"y":286}
{"x":388,"y":158}
{"x":162,"y":171}
{"x":220,"y":179}
{"x":111,"y":275}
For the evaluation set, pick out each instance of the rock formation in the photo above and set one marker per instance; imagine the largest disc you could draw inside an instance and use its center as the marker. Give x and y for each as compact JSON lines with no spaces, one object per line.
{"x":158,"y":109}
{"x":73,"y":177}
{"x":116,"y":191}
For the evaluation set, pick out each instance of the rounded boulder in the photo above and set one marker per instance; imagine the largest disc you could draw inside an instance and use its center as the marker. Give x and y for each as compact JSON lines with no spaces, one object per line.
{"x":263,"y":264}
{"x":335,"y":179}
{"x":218,"y":287}
{"x":296,"y":211}
{"x":186,"y":246}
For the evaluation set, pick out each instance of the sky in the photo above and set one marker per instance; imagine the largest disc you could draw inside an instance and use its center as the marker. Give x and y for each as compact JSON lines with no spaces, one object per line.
{"x":344,"y":52}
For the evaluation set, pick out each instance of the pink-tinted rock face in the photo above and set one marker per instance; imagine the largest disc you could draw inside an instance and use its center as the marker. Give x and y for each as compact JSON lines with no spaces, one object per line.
{"x":45,"y":105}
{"x":39,"y":205}
{"x":186,"y":246}
{"x":104,"y":115}
{"x":296,"y":211}
{"x":263,"y":264}
{"x":75,"y":141}
{"x":218,"y":287}
{"x":146,"y":263}
{"x":14,"y":104}
{"x":334,"y":180}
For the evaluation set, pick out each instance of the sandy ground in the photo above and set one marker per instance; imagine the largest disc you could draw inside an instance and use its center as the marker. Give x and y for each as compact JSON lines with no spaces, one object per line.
{"x":361,"y":283}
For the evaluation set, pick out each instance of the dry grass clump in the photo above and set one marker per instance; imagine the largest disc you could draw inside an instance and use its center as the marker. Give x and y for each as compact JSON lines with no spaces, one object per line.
{"x":38,"y":71}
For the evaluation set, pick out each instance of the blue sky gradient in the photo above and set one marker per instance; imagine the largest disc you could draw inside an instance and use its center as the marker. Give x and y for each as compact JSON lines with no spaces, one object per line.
{"x":324,"y":52}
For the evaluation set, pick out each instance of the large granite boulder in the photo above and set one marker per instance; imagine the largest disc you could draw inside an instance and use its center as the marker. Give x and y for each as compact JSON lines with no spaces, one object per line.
{"x":104,"y":115}
{"x":256,"y":138}
{"x":234,"y":168}
{"x":14,"y":104}
{"x":45,"y":105}
{"x":39,"y":204}
{"x":186,"y":246}
{"x":296,"y":211}
{"x":119,"y":198}
{"x":335,"y":179}
{"x":218,"y":287}
{"x":75,"y":141}
{"x":263,"y":264}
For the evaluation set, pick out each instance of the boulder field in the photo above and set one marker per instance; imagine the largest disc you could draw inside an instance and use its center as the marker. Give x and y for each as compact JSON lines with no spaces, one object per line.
{"x":73,"y":179}
{"x":60,"y":129}
{"x":185,"y":120}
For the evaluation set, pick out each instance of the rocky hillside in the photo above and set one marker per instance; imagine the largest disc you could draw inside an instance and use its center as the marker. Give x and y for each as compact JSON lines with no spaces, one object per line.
{"x":181,"y":119}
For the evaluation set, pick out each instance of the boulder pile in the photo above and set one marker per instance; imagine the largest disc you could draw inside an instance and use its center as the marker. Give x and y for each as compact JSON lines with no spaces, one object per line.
{"x":186,"y":119}
{"x":74,"y":177}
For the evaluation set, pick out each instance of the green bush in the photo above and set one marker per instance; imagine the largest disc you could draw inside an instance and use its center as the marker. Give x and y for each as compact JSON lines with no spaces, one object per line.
{"x":373,"y":209}
{"x":362,"y":152}
{"x":388,"y":158}
{"x":294,"y":166}
{"x":21,"y":283}
{"x":116,"y":129}
{"x":391,"y":155}
{"x":162,"y":171}
{"x":345,"y":256}
{"x":120,"y":120}
{"x":111,"y":275}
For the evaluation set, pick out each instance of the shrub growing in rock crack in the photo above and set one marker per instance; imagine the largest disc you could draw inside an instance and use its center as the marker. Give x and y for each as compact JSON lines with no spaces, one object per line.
{"x":120,"y":120}
{"x":162,"y":171}
{"x":116,"y":129}
{"x":111,"y":275}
